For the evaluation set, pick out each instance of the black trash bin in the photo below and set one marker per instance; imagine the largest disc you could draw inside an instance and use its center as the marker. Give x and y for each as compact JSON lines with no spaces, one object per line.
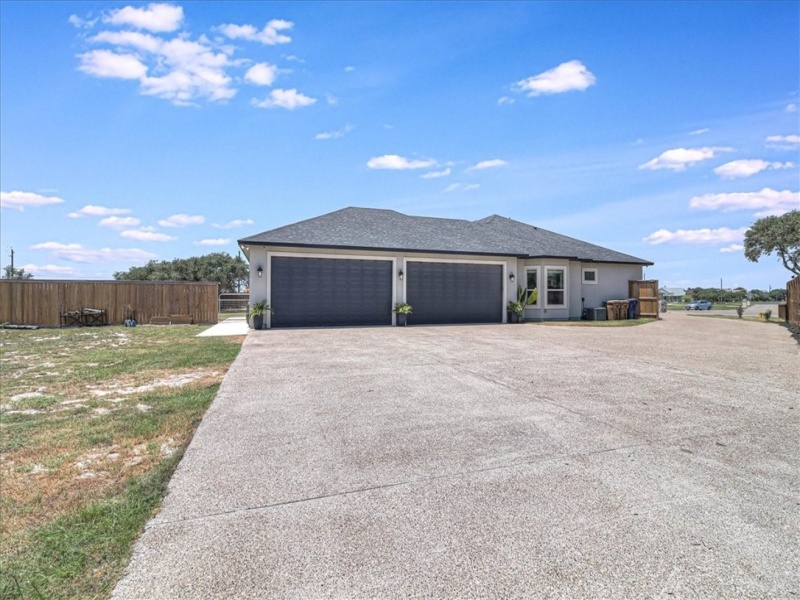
{"x":633,"y":307}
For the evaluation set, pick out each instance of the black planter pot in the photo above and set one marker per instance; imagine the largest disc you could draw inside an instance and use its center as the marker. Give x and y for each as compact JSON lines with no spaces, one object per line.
{"x":513,"y":317}
{"x":258,"y":321}
{"x":401,"y":319}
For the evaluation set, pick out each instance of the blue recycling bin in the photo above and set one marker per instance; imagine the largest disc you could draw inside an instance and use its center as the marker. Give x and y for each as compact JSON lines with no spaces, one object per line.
{"x":633,"y":305}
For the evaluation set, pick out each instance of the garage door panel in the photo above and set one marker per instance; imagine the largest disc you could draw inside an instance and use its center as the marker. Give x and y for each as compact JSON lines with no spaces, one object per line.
{"x":454,"y":292}
{"x":309,"y":292}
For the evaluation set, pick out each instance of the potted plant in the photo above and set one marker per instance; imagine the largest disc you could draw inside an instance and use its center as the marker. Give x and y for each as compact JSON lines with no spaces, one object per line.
{"x":402,"y":310}
{"x":514,"y":310}
{"x":257,"y":312}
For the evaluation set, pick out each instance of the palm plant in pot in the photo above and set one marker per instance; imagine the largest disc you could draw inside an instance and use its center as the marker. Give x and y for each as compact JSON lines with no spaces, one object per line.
{"x":402,"y":310}
{"x":514,"y":310}
{"x":257,"y":312}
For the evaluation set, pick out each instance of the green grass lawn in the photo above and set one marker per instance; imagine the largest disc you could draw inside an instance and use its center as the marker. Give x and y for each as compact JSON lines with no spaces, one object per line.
{"x":772,"y":319}
{"x":228,"y":315}
{"x":717,"y":306}
{"x":92,"y":424}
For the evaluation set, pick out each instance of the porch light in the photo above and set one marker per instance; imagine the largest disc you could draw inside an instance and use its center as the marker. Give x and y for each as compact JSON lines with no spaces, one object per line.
{"x":260,"y":271}
{"x":400,"y":274}
{"x":512,"y":278}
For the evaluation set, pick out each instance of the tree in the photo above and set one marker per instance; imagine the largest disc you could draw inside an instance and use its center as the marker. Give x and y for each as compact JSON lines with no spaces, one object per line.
{"x":780,"y":235}
{"x":12,"y":273}
{"x":230,"y":272}
{"x":777,"y":295}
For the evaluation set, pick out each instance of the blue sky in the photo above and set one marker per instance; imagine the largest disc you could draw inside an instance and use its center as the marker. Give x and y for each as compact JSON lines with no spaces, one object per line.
{"x":137,"y":131}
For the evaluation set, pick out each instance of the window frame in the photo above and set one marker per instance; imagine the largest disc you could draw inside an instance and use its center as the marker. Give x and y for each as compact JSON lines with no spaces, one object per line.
{"x":588,"y":270}
{"x":538,"y":271}
{"x":563,"y":290}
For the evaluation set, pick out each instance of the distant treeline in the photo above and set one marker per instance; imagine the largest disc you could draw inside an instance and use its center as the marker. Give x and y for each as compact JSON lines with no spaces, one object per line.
{"x":735,"y":295}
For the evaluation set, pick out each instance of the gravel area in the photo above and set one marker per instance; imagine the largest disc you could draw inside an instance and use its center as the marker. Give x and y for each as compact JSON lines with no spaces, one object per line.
{"x":490,"y":461}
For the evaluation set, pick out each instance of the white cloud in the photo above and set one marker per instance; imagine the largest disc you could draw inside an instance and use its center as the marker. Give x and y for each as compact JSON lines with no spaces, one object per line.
{"x":52,"y":270}
{"x":146,"y":234}
{"x":77,"y":253}
{"x":572,"y":75}
{"x":196,"y":71}
{"x":790,"y":108}
{"x":261,"y":74}
{"x":786,"y":139}
{"x":349,"y":69}
{"x":502,"y":100}
{"x":394,"y":162}
{"x":732,"y":248}
{"x":22,"y":200}
{"x":133,"y":39}
{"x":329,"y":135}
{"x":234,"y":224}
{"x":180,"y":71}
{"x":269,"y":35}
{"x":436,"y":174}
{"x":213,"y":242}
{"x":80,"y":23}
{"x":696,"y":236}
{"x":154,"y":17}
{"x":678,"y":159}
{"x":288,"y":99}
{"x":766,"y":202}
{"x":461,"y":187}
{"x":119,"y":222}
{"x":91,"y":210}
{"x":488,"y":164}
{"x":182,"y":220}
{"x":746,"y":168}
{"x":699,"y":131}
{"x":104,"y":63}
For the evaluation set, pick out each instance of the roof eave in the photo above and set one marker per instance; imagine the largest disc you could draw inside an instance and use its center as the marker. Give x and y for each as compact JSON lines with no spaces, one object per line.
{"x":246,"y":242}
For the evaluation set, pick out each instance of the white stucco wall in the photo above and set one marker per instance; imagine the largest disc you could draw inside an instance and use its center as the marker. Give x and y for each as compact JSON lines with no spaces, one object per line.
{"x":612,"y":284}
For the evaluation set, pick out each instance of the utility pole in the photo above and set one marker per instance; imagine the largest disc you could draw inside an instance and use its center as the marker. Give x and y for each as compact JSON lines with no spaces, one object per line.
{"x":12,"y":261}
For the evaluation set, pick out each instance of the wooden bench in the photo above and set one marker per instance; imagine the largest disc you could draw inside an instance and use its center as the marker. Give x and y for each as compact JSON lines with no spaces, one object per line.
{"x":94,"y":316}
{"x":71,"y":318}
{"x":159,"y":321}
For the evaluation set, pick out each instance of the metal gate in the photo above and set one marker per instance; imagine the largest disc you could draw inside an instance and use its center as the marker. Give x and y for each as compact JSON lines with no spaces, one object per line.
{"x":233,"y":302}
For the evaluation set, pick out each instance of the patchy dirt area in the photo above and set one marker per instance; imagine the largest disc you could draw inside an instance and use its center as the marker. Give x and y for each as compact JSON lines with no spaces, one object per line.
{"x":83,"y":411}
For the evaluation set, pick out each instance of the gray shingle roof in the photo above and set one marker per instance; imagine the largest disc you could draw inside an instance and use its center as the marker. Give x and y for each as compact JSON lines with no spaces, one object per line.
{"x":381,"y":229}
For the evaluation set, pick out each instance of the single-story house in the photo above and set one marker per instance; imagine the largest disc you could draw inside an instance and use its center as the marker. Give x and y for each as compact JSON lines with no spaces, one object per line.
{"x":351,"y":266}
{"x":672,"y":294}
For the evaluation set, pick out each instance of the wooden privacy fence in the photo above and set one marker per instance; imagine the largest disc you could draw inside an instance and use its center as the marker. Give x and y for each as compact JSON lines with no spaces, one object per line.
{"x":647,"y":293}
{"x":793,"y":301}
{"x":42,"y":302}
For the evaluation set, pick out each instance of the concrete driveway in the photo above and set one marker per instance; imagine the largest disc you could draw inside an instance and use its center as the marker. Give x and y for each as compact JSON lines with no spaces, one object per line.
{"x":490,"y":461}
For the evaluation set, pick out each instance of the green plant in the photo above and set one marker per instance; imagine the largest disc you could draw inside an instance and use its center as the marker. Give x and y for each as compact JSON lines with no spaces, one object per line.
{"x":401,"y":308}
{"x":526,"y":299}
{"x":514,"y":307}
{"x":260,"y":308}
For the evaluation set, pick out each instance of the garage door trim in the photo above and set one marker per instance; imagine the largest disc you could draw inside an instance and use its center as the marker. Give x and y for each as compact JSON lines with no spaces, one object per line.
{"x":464,"y":261}
{"x":268,"y":272}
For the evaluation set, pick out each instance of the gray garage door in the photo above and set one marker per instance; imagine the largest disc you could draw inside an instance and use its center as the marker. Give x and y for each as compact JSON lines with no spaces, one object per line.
{"x":311,"y":292}
{"x":454,"y":293}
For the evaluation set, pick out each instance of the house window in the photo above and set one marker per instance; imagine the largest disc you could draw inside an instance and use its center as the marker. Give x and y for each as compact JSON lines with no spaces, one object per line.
{"x":531,"y":287}
{"x":556,"y":280}
{"x":590,"y":276}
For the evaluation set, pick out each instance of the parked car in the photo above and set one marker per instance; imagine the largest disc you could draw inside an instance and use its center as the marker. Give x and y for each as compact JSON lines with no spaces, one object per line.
{"x":699,"y":305}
